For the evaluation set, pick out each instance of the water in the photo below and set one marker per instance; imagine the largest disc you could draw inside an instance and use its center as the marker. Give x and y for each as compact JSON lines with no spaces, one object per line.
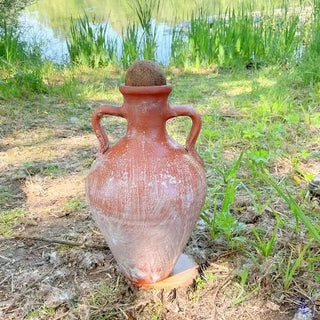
{"x":47,"y":21}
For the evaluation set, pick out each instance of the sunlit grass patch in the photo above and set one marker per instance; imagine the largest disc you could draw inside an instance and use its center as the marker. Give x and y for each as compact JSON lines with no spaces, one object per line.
{"x":41,"y":313}
{"x":8,"y":219}
{"x":75,"y":206}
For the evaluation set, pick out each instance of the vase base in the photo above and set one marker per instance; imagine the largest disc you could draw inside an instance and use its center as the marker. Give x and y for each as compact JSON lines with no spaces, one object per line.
{"x":183,"y":274}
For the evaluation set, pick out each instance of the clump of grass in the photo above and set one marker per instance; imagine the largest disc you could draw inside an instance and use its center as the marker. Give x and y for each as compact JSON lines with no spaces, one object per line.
{"x":87,"y":43}
{"x":292,"y":267}
{"x":75,"y":206}
{"x":221,"y":220}
{"x":40,"y":313}
{"x":264,"y":243}
{"x":8,"y":220}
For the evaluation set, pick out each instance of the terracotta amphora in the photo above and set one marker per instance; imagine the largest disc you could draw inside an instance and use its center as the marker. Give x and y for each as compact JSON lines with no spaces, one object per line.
{"x":146,"y":192}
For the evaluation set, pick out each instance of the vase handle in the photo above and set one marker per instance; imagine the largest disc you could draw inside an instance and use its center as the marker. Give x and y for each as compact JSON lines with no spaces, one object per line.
{"x":96,"y":117}
{"x":177,"y":111}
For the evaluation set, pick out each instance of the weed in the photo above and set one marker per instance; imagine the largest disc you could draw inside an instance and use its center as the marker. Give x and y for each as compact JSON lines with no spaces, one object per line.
{"x":87,"y":162}
{"x":50,"y":170}
{"x":40,"y":313}
{"x":222,"y":220}
{"x":264,"y":243}
{"x":75,"y":206}
{"x":292,"y":268}
{"x":8,"y":220}
{"x":244,"y":276}
{"x":201,"y":282}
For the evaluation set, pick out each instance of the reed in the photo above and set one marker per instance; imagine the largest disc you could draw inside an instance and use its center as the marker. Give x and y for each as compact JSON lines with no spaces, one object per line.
{"x":130,"y":45}
{"x":87,"y":43}
{"x":145,"y":11}
{"x":178,"y":49}
{"x":11,"y":49}
{"x":234,"y":37}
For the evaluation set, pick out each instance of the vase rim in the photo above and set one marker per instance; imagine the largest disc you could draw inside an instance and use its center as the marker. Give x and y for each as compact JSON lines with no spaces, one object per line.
{"x":144,"y":90}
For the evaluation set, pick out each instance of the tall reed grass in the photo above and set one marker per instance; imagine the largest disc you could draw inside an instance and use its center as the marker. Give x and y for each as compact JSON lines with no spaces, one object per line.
{"x":87,"y":43}
{"x":11,"y":49}
{"x":234,"y":37}
{"x":146,"y":10}
{"x":130,"y":45}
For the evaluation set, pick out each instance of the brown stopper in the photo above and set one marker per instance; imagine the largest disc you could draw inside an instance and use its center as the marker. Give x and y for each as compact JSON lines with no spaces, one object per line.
{"x":145,"y":73}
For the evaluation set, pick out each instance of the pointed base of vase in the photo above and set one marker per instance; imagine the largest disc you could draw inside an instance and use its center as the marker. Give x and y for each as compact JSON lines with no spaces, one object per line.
{"x":183,"y":274}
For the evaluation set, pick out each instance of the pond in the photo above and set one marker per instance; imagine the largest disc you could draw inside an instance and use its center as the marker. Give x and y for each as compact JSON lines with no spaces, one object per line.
{"x":46,"y":22}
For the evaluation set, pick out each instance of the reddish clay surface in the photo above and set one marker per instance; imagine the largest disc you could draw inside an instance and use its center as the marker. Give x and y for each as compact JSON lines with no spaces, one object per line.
{"x":146,"y":192}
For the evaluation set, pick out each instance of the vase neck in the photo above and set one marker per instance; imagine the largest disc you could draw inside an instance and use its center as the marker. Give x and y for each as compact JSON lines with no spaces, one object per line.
{"x":147,"y":112}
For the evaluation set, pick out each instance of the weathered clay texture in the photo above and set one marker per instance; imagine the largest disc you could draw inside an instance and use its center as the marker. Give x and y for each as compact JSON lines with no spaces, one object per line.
{"x":146,"y":192}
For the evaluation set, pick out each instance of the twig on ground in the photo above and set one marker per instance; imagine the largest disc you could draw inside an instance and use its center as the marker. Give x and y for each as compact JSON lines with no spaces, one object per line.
{"x":224,"y":255}
{"x":59,"y":241}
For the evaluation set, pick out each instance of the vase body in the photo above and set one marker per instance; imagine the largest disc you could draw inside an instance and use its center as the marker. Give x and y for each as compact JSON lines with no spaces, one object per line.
{"x":146,"y":192}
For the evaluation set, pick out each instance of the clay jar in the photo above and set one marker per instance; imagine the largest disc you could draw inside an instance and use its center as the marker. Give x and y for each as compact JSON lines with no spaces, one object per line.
{"x":146,"y":192}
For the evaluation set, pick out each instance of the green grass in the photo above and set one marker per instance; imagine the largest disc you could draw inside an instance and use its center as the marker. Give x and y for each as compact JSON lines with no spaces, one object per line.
{"x":87,"y":45}
{"x":8,"y":219}
{"x":75,"y":206}
{"x":131,"y":45}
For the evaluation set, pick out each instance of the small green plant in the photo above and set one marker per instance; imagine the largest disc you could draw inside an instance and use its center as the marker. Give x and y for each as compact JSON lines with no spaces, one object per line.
{"x":87,"y":162}
{"x":293,"y":267}
{"x":75,"y":206}
{"x":109,"y":300}
{"x":40,"y":313}
{"x":222,"y":220}
{"x":8,"y":220}
{"x":201,"y":282}
{"x":50,"y":170}
{"x":244,"y":274}
{"x":264,"y":243}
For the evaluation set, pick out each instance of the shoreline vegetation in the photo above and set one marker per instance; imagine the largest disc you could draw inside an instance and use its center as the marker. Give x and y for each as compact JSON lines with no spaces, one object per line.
{"x":255,"y":79}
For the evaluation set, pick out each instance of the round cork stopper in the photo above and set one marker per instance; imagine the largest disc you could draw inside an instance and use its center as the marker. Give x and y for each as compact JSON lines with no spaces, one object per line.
{"x":145,"y":73}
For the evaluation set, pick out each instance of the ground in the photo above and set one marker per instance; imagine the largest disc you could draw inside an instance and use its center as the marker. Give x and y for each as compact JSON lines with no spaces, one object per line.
{"x":54,"y":263}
